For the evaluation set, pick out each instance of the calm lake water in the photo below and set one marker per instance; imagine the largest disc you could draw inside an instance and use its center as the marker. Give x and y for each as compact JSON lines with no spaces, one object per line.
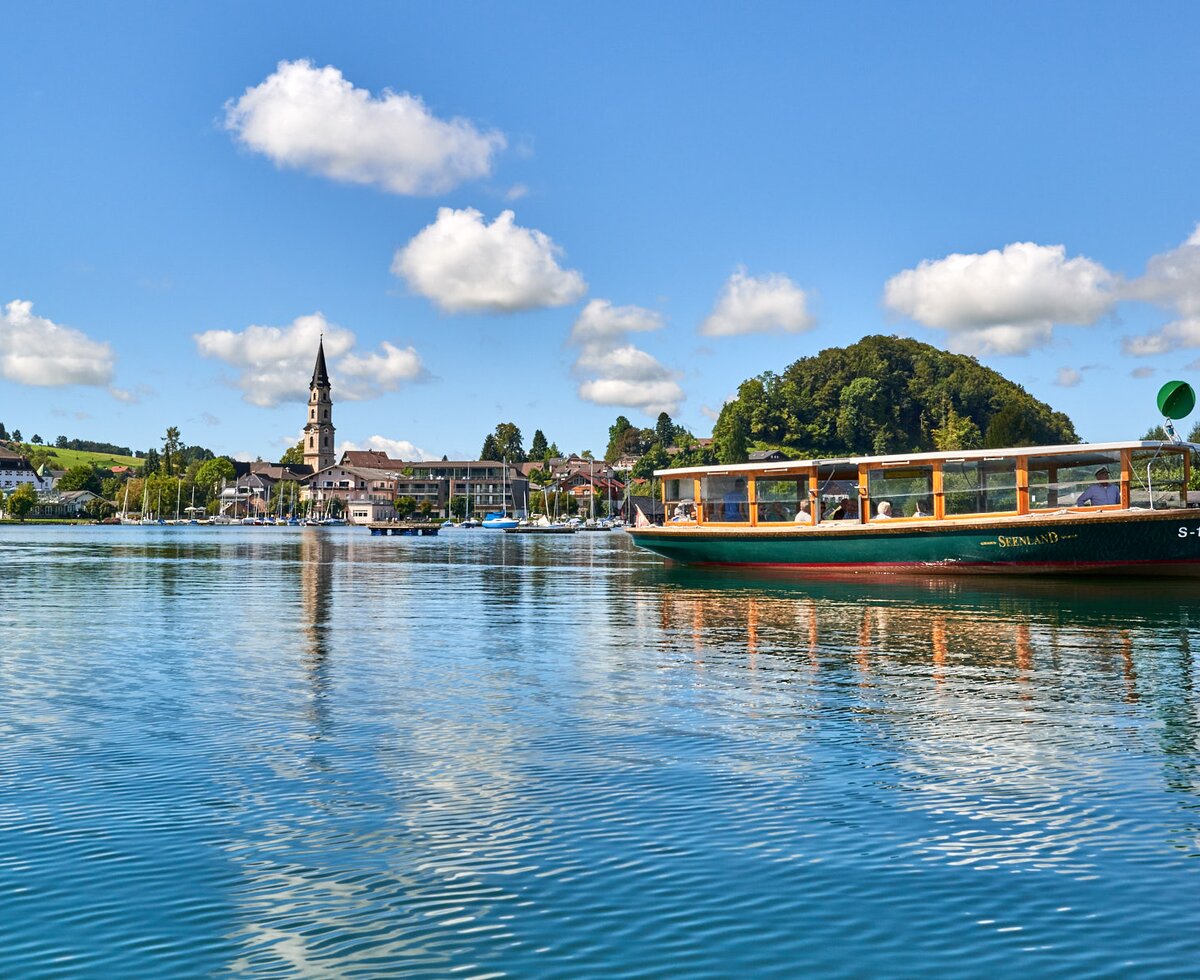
{"x":301,"y":751}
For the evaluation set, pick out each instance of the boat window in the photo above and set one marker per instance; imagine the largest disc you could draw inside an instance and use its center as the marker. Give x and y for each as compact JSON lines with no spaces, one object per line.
{"x":678,"y":496}
{"x":837,"y":493}
{"x":1156,"y":479}
{"x":979,"y":486}
{"x":908,"y":490}
{"x":782,"y":499}
{"x":724,"y":499}
{"x":1074,"y":480}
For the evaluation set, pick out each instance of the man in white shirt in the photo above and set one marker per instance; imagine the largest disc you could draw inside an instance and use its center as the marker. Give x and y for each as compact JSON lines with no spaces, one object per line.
{"x":1101,"y":493}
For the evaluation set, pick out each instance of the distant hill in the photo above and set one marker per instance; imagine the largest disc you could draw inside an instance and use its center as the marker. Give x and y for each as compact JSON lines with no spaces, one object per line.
{"x":64,"y":459}
{"x":884,"y":395}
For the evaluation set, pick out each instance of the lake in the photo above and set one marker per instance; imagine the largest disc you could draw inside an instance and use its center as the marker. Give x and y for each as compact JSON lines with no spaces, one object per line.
{"x":282,"y":751}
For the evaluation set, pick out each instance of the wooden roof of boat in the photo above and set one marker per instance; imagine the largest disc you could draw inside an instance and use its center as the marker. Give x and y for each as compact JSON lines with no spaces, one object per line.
{"x":790,"y":465}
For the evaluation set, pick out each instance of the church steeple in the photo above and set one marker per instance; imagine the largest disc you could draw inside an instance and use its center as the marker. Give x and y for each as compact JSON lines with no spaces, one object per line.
{"x":320,"y":375}
{"x":318,"y":430}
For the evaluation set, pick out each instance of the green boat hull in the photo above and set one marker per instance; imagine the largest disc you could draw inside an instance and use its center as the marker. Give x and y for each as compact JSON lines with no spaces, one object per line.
{"x":1158,"y":543}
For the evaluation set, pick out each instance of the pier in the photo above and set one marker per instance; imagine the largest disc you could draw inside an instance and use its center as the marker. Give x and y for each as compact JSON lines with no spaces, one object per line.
{"x":406,"y":528}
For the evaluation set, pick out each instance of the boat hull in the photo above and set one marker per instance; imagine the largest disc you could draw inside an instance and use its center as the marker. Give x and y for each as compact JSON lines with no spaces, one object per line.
{"x":1143,"y":543}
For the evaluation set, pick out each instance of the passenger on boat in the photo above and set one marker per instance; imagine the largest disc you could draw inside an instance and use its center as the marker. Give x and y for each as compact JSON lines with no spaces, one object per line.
{"x":922,"y":509}
{"x":884,"y":511}
{"x":843,"y":510}
{"x":804,"y":513}
{"x":1101,"y":492}
{"x":682,"y":512}
{"x":735,"y":502}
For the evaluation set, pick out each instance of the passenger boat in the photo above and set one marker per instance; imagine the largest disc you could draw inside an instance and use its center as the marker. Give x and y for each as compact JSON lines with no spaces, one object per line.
{"x":1117,"y":507}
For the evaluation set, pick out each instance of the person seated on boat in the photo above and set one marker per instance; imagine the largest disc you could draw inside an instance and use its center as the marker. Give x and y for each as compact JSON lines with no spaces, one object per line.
{"x":884,"y":511}
{"x":922,"y":509}
{"x":804,"y":513}
{"x":842,"y":510}
{"x":1101,"y":493}
{"x":734,"y":508}
{"x":682,"y":511}
{"x":772,"y":511}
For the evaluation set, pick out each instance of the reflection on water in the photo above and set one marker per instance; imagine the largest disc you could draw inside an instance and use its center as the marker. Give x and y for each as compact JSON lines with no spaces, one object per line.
{"x":274,"y":750}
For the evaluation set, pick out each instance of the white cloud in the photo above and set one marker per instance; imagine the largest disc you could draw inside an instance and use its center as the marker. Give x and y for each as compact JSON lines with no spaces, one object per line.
{"x":601,"y":322}
{"x":37,"y":351}
{"x":1068,"y":377}
{"x":275,"y":363}
{"x":465,"y":265}
{"x":1172,"y":279}
{"x":1003,"y":301}
{"x":369,"y":375}
{"x":314,"y":119}
{"x":1142,"y":372}
{"x":395,"y":448}
{"x":625,"y":375}
{"x":758,"y":304}
{"x":516,"y":192}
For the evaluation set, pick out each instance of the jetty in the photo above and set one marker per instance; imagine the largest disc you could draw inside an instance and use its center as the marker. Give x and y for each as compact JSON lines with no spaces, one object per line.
{"x":406,"y":528}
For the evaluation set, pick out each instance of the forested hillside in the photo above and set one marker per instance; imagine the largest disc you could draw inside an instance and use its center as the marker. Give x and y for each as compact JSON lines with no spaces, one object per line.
{"x":884,"y":395}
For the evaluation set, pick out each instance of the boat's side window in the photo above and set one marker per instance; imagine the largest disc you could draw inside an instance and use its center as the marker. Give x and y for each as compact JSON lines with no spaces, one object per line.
{"x":1156,"y":479}
{"x":979,"y":486}
{"x":725,"y":499}
{"x":778,"y":499}
{"x":1074,"y":480}
{"x":908,"y":490}
{"x":678,"y":500}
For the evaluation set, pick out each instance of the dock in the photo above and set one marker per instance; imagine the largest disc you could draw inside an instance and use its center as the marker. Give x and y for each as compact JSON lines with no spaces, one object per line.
{"x":406,"y":528}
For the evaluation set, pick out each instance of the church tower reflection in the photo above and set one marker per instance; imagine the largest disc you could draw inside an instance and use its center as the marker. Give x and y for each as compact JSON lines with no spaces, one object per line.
{"x":316,"y":574}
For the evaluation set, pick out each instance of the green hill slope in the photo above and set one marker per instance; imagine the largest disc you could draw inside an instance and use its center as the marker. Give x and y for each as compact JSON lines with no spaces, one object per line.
{"x":884,"y":395}
{"x":64,"y":459}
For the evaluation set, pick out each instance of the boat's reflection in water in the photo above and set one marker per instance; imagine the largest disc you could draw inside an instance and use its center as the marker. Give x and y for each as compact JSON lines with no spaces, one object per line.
{"x":1005,"y":711}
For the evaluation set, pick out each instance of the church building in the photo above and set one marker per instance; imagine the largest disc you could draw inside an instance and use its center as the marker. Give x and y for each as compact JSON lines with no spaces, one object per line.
{"x":318,"y":431}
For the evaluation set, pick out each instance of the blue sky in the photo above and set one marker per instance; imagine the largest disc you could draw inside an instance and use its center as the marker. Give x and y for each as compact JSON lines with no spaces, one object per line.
{"x":698,"y":192}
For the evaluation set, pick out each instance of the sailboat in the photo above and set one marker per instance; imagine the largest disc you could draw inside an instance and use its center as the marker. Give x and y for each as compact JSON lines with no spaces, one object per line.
{"x":501,"y":521}
{"x":146,"y":518}
{"x":469,"y":520}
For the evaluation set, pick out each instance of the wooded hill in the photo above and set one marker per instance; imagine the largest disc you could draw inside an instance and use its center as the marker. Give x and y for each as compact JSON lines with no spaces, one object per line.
{"x":884,"y":395}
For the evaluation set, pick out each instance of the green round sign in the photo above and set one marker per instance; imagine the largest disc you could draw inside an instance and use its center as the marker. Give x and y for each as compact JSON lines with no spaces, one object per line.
{"x":1176,"y":399}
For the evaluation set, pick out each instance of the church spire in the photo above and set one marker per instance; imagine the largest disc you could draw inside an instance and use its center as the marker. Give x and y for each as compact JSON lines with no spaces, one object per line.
{"x":318,"y":432}
{"x":320,"y":378}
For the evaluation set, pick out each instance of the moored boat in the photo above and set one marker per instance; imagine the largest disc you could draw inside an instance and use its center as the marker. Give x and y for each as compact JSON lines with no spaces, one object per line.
{"x":1084,"y":509}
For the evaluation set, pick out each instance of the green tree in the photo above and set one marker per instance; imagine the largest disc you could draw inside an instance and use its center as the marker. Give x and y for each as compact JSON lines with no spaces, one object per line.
{"x":151,"y":461}
{"x":21,"y":501}
{"x":295,"y":455}
{"x":616,"y":439}
{"x":508,"y":443}
{"x":956,"y":432}
{"x":425,"y":508}
{"x":212,"y":473}
{"x":1011,"y":427}
{"x":405,"y":505}
{"x":3,"y":431}
{"x":664,"y":429}
{"x":59,"y":443}
{"x":458,"y":507}
{"x":36,"y":440}
{"x":81,"y":477}
{"x":16,"y":435}
{"x":655,"y":458}
{"x":538,"y":447}
{"x":170,"y":449}
{"x":730,"y":435}
{"x":490,"y":449}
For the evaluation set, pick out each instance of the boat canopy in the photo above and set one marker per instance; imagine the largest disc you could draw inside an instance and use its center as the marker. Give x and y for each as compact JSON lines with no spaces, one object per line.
{"x":1074,"y":449}
{"x":937,"y":486}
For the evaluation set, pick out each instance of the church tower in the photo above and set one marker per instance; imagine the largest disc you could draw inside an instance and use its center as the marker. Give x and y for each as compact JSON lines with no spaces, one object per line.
{"x":318,"y":431}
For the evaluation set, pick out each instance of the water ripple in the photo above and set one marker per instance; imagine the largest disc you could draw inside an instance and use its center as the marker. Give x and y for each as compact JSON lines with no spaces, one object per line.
{"x":281,"y":752}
